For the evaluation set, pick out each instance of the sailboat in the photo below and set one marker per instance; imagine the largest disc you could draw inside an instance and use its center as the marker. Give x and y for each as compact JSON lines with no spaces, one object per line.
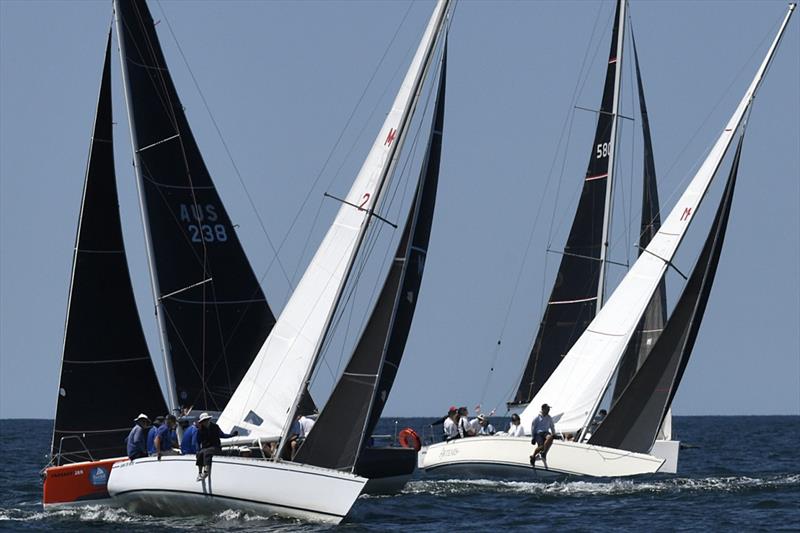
{"x":580,"y":284}
{"x":578,"y":384}
{"x":324,"y":485}
{"x":212,"y":313}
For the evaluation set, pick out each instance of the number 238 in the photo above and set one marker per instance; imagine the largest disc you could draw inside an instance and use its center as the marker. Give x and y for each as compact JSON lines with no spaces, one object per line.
{"x":208,"y":233}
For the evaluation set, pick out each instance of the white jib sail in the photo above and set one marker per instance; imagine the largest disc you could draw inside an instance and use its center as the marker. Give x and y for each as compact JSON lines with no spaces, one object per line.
{"x":272,"y":383}
{"x":576,"y":386}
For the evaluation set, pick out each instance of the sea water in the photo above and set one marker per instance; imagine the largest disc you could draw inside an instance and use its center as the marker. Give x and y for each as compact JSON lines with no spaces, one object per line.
{"x":738,"y":474}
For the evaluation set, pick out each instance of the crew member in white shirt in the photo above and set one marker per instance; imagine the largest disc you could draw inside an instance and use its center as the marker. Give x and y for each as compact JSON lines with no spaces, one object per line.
{"x":485,"y":427}
{"x":464,"y":428}
{"x":450,"y":428}
{"x":515,"y":429}
{"x":542,"y":430}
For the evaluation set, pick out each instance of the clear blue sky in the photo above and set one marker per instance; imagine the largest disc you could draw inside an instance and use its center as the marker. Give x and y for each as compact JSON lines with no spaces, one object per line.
{"x":281,"y":79}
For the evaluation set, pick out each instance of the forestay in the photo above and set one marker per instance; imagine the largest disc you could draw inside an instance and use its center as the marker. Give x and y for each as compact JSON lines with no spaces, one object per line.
{"x":577,"y":385}
{"x":266,"y":397}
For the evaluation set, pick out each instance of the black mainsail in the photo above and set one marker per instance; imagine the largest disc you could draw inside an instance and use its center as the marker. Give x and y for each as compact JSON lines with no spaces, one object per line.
{"x":212,"y":312}
{"x":578,"y":287}
{"x":634,"y":420}
{"x":361,"y":392}
{"x":648,"y":330}
{"x":107,"y":376}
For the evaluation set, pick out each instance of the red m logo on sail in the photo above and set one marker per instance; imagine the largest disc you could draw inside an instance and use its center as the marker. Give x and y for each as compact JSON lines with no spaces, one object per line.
{"x":390,"y":137}
{"x":687,"y":212}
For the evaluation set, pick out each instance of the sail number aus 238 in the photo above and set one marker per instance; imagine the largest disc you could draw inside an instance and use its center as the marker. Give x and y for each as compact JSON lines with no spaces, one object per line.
{"x":603,"y":150}
{"x":201,"y":223}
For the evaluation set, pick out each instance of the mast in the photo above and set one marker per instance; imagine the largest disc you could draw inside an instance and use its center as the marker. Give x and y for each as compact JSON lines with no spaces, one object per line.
{"x":612,"y":149}
{"x":266,"y":399}
{"x":416,"y":77}
{"x":573,"y":300}
{"x":104,"y":357}
{"x":169,"y":376}
{"x":213,"y":313}
{"x":362,"y":390}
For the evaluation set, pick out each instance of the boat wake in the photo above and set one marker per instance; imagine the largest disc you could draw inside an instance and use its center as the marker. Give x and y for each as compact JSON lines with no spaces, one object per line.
{"x":94,"y":513}
{"x":604,"y":488}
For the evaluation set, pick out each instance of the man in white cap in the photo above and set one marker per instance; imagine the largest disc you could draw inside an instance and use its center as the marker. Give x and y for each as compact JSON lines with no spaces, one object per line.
{"x":137,"y":438}
{"x":208,"y":440}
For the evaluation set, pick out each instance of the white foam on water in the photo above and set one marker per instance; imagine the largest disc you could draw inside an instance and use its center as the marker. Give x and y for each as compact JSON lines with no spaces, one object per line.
{"x":86,"y":514}
{"x":612,"y":487}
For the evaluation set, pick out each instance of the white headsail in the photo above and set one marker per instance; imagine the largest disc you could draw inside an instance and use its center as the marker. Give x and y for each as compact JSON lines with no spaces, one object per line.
{"x":267,"y":395}
{"x":578,"y":383}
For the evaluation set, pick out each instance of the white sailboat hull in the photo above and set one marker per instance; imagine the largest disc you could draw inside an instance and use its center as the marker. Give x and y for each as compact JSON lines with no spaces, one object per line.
{"x":169,"y":487}
{"x":510,"y":456}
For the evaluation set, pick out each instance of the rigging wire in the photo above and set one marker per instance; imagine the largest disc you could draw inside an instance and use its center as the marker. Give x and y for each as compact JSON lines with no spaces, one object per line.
{"x":225,"y":146}
{"x":566,"y":130}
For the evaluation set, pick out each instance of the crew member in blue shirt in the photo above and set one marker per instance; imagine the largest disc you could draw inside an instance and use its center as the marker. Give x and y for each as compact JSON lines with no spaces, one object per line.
{"x":151,"y":435}
{"x":137,"y":438}
{"x":166,"y":439}
{"x":189,"y":440}
{"x":542,"y":431}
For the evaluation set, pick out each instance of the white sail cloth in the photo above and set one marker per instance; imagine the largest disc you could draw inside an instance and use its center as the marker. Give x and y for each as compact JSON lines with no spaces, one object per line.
{"x":272,"y":384}
{"x":576,"y":386}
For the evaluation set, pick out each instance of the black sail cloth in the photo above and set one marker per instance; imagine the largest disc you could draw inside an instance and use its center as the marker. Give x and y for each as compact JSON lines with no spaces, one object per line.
{"x":573,"y":301}
{"x":215,"y":313}
{"x":652,"y":323}
{"x":107,"y":376}
{"x":360,"y":394}
{"x":634,"y":420}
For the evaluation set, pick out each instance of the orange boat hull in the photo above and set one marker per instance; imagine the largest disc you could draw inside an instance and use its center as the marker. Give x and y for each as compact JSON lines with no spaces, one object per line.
{"x":78,"y":483}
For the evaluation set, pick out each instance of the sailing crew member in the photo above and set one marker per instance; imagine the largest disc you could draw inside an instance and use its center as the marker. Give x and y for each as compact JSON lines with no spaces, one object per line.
{"x":462,"y":421}
{"x":298,"y":432}
{"x":515,"y":429}
{"x":137,"y":438}
{"x":189,"y":440}
{"x":597,"y":420}
{"x":208,"y":439}
{"x":485,"y":427}
{"x":166,"y":439}
{"x":542,"y":430}
{"x":151,"y":435}
{"x":450,"y":427}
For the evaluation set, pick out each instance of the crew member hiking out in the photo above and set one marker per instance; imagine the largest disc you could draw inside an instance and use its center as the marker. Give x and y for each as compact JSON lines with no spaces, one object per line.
{"x":542,"y":432}
{"x":208,"y":439}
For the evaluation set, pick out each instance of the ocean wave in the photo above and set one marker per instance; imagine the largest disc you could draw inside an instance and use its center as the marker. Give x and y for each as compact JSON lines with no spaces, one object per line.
{"x":93,"y":513}
{"x":612,"y":487}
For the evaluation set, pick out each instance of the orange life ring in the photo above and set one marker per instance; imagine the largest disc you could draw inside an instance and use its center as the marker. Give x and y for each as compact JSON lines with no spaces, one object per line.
{"x":408,"y":438}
